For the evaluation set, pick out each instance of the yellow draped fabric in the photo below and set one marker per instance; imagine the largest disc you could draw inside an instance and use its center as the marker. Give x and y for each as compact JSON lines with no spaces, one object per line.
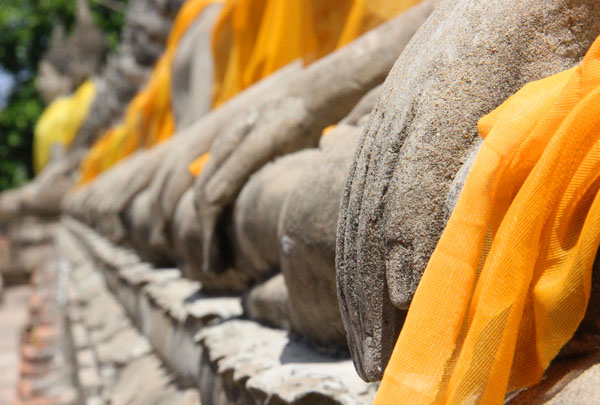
{"x":60,"y":122}
{"x":149,"y":118}
{"x":509,"y":281}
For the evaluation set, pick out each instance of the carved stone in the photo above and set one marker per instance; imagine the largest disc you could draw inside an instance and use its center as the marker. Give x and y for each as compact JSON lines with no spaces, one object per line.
{"x":293,"y":117}
{"x":465,"y":60}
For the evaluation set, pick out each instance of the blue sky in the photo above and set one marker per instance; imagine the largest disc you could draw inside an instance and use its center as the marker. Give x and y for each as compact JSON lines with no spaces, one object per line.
{"x":6,"y":84}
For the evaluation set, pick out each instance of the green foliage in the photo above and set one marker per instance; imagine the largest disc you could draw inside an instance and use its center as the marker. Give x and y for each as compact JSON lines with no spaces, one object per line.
{"x":109,"y":21}
{"x":25,"y":30}
{"x":25,"y":26}
{"x":16,"y":128}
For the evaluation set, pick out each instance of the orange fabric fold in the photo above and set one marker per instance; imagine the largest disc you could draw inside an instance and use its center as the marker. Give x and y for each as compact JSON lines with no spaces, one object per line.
{"x":251,"y":40}
{"x":254,"y":38}
{"x":509,"y":281}
{"x":233,"y":40}
{"x":365,"y":15}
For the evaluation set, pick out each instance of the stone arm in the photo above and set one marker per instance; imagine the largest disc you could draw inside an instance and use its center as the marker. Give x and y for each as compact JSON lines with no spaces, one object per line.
{"x":293,"y":117}
{"x":173,"y":178}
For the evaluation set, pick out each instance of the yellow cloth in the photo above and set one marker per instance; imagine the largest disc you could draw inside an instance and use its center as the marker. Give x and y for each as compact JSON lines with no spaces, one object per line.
{"x":149,"y":117}
{"x":60,"y":122}
{"x":509,"y":281}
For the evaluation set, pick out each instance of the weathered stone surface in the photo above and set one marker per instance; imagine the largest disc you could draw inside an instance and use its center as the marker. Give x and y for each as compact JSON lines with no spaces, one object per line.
{"x":173,"y":178}
{"x":107,"y":197}
{"x":173,"y":296}
{"x":147,"y":24}
{"x":192,"y":73}
{"x":152,"y":20}
{"x":173,"y":396}
{"x":116,"y":361}
{"x":293,"y":117}
{"x":167,"y":309}
{"x":186,"y":238}
{"x":98,"y":308}
{"x":171,"y":312}
{"x":459,"y":180}
{"x":30,"y":230}
{"x":584,"y":389}
{"x":268,"y":303}
{"x":257,"y":214}
{"x":164,"y":333}
{"x":38,"y":369}
{"x":202,"y":341}
{"x":267,"y":367}
{"x":112,"y":191}
{"x":308,"y":235}
{"x":465,"y":60}
{"x":122,"y":348}
{"x":111,"y":327}
{"x":138,"y":220}
{"x":79,"y":335}
{"x":127,"y":290}
{"x":140,"y":383}
{"x":43,"y":196}
{"x":567,"y":381}
{"x":10,"y":203}
{"x":363,"y":108}
{"x":207,"y":310}
{"x":70,"y":61}
{"x":169,"y":7}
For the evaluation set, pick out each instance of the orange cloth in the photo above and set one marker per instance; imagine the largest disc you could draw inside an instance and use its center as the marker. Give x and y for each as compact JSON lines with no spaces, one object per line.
{"x":254,"y":38}
{"x":149,"y":118}
{"x":293,"y":29}
{"x":367,"y":14}
{"x":233,"y":40}
{"x":197,"y":165}
{"x":90,"y":165}
{"x":509,"y":281}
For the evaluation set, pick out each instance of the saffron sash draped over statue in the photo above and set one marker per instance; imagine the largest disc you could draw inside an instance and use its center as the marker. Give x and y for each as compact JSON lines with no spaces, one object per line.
{"x":149,"y":116}
{"x":254,"y":38}
{"x":509,"y":281}
{"x":251,"y":40}
{"x":60,"y":122}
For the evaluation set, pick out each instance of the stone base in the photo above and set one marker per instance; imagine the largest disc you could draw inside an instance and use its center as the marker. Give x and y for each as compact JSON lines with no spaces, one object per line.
{"x":202,"y":341}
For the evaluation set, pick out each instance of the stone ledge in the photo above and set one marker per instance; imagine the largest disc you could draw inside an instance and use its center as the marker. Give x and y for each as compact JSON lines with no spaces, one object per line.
{"x":275,"y":369}
{"x":205,"y":343}
{"x":115,"y":363}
